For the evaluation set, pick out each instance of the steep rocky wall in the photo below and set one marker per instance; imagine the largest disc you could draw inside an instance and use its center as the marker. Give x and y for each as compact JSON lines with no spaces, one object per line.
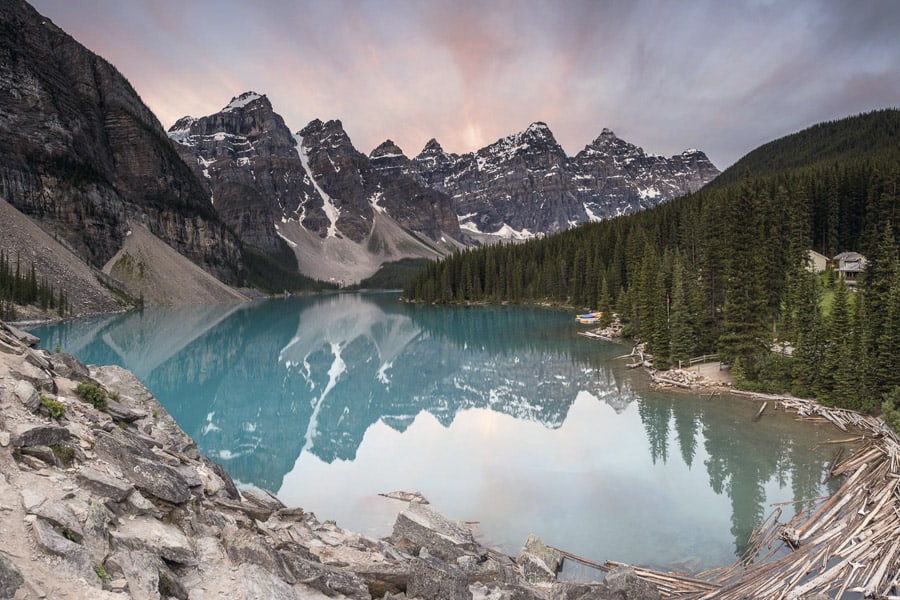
{"x":82,"y":153}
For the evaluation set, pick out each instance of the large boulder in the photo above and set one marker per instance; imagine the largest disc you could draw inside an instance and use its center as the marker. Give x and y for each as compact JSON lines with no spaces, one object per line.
{"x":431,"y":579}
{"x":66,"y":365}
{"x":142,"y":467}
{"x":29,"y":434}
{"x":27,"y":395}
{"x":420,"y":527}
{"x":329,"y":580}
{"x":243,"y":547}
{"x":539,"y":562}
{"x":145,"y":534}
{"x":103,"y":484}
{"x":60,"y":516}
{"x":76,"y":558}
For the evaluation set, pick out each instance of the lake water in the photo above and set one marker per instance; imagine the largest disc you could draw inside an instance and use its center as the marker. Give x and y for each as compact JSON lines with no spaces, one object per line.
{"x":499,"y":415}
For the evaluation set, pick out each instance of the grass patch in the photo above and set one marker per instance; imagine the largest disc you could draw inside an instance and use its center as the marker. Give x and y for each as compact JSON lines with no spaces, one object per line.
{"x":100,"y":570}
{"x":93,"y":394}
{"x":64,"y":454}
{"x":56,"y":408}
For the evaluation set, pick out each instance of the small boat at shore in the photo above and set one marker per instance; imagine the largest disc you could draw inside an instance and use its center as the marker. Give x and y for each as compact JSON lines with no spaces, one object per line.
{"x":589,"y":318}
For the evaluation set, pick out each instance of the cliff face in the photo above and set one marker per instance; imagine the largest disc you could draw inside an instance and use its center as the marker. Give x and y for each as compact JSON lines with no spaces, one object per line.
{"x":82,"y":154}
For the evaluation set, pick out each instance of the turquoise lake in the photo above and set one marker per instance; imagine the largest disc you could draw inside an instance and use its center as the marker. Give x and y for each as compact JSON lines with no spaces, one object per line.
{"x":502,"y":416}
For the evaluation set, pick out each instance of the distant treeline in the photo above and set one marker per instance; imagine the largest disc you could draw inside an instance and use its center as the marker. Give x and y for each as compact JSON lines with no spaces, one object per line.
{"x":21,"y":287}
{"x":725,"y":270}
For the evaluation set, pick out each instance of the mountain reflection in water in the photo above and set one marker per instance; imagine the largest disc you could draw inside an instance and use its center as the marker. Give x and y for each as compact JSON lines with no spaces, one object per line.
{"x":497,"y":414}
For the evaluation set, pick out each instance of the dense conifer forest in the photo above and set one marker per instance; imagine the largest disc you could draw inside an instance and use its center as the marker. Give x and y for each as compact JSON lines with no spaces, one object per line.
{"x":726,"y":270}
{"x":21,"y":286}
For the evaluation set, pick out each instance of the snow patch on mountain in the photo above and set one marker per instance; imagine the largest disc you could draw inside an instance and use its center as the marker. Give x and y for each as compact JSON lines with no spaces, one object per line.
{"x":331,"y":210}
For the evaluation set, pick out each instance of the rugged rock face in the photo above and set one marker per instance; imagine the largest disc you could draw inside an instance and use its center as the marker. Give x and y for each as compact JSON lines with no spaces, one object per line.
{"x":265,"y":182}
{"x":82,"y":153}
{"x":248,"y":158}
{"x":616,"y":177}
{"x":524,"y":184}
{"x":116,"y":502}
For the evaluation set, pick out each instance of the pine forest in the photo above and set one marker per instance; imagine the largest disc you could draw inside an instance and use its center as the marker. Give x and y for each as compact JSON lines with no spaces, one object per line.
{"x":727,"y":270}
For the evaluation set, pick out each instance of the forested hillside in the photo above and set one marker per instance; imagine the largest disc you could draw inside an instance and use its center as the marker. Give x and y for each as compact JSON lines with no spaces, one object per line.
{"x":725,"y":270}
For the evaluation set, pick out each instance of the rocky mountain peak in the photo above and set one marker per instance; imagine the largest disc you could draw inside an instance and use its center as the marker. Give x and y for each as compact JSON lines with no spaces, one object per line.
{"x":328,"y":134}
{"x":387,"y":149}
{"x":245,"y":99}
{"x":432,"y":147}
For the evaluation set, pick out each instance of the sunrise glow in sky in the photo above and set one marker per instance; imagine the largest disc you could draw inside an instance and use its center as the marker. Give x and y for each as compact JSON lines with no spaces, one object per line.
{"x":666,"y":75}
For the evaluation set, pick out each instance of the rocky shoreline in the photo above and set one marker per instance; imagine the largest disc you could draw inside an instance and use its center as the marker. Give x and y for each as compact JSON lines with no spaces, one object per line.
{"x":113,"y":500}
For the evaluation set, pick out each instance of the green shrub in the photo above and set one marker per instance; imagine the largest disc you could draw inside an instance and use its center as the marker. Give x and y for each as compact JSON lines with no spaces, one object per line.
{"x":93,"y":394}
{"x":115,"y":396}
{"x":64,"y":454}
{"x":67,"y":533}
{"x":56,"y":408}
{"x":101,"y":573}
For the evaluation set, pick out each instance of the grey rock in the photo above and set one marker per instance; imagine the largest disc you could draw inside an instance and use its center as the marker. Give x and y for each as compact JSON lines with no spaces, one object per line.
{"x":40,"y":435}
{"x":42,"y":453}
{"x":27,"y":395}
{"x":66,"y":365}
{"x":569,"y":591}
{"x":146,"y":534}
{"x":77,"y":559}
{"x":10,"y":577}
{"x":140,"y":505}
{"x":422,"y":527}
{"x":432,"y":579}
{"x":624,"y":579}
{"x":60,"y":516}
{"x":382,"y":577}
{"x":96,"y":530}
{"x":262,"y":499}
{"x":539,"y":562}
{"x":32,"y":499}
{"x":191,"y":477}
{"x":120,"y":412}
{"x":506,"y":591}
{"x":140,"y":569}
{"x":170,"y":585}
{"x":255,"y":582}
{"x":329,"y":580}
{"x":24,"y":337}
{"x":230,"y":489}
{"x":243,"y":546}
{"x":142,"y":468}
{"x":103,"y":484}
{"x":4,"y":439}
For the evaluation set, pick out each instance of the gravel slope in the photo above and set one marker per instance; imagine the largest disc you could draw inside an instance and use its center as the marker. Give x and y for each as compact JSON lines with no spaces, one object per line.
{"x":150,"y":268}
{"x":21,"y":236}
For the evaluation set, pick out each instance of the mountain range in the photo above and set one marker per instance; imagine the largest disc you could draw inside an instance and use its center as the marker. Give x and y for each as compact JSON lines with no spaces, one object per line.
{"x":85,"y":159}
{"x":345,"y":213}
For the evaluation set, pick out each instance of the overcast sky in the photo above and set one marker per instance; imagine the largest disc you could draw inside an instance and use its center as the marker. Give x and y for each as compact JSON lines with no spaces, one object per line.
{"x":723,"y":76}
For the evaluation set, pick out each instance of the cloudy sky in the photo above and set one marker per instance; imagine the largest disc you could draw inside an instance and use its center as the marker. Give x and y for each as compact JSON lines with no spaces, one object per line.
{"x":722,"y":76}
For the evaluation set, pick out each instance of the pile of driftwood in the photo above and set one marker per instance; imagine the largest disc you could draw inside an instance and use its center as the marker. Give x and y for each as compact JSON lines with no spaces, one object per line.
{"x":848,"y":542}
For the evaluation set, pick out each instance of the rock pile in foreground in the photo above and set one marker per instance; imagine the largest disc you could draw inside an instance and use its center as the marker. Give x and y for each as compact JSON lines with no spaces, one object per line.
{"x":115,"y":501}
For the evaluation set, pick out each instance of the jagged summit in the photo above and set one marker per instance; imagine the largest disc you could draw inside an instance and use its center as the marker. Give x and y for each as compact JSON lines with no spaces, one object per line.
{"x":243,"y":100}
{"x":387,"y":149}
